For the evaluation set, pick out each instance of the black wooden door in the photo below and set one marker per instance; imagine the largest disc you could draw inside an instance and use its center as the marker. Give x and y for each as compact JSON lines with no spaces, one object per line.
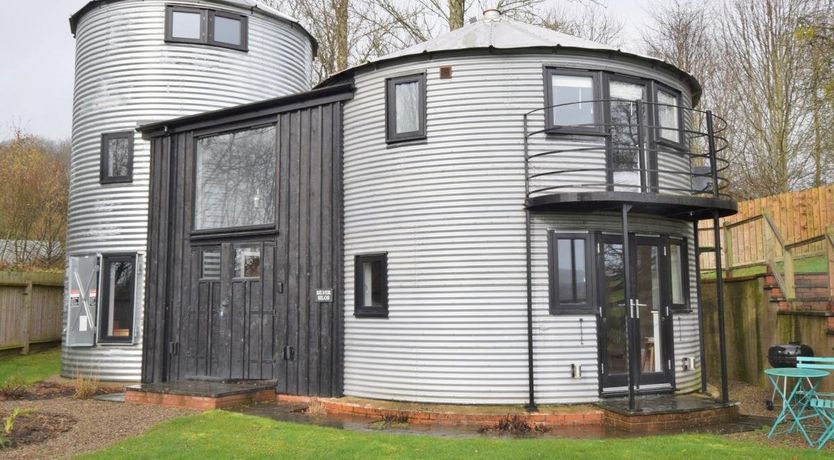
{"x":228,"y":329}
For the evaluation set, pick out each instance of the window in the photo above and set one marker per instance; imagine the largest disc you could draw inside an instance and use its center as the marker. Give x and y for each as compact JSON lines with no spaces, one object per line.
{"x":235,"y":179}
{"x":570,"y":96}
{"x":406,"y":108}
{"x":206,"y":26}
{"x":668,"y":116}
{"x":118,"y":283}
{"x":248,"y":261}
{"x":371,"y":286}
{"x":679,"y":275}
{"x":570,"y":277}
{"x":116,"y":157}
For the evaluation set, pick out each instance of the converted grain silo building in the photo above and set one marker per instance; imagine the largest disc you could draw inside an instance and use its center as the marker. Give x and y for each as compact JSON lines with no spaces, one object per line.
{"x":501,"y":215}
{"x":139,"y":61}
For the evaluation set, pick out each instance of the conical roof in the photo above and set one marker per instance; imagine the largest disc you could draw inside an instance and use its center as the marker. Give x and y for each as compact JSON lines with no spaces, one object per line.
{"x":496,"y":31}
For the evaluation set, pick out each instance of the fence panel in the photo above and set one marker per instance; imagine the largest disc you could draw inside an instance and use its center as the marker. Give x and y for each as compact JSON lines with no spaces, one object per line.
{"x":31,"y":306}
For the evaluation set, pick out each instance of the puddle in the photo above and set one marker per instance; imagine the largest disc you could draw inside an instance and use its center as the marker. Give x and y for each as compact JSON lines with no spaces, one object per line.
{"x":300,"y":413}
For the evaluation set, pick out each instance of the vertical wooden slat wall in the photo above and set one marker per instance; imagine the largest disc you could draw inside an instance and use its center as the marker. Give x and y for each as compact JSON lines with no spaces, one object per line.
{"x":281,"y":310}
{"x":797,"y":215}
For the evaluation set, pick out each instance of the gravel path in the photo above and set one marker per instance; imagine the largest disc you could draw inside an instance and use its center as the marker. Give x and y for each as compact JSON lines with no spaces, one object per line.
{"x":100,"y":424}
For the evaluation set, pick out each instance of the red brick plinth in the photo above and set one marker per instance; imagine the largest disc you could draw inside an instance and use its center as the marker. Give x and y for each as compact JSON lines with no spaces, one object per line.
{"x":666,"y":422}
{"x":198,"y":402}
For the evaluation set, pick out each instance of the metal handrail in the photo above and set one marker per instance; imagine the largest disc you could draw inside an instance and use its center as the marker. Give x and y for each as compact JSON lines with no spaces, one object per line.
{"x":647,"y":143}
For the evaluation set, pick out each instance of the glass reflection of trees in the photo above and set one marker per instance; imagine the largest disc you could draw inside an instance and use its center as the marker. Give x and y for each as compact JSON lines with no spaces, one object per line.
{"x":236,"y":179}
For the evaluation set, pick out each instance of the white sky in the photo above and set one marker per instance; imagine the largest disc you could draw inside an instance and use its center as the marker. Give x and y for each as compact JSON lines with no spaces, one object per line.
{"x":37,"y":55}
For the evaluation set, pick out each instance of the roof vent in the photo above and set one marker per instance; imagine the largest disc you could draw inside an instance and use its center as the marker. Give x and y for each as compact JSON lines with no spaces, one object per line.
{"x":492,"y":14}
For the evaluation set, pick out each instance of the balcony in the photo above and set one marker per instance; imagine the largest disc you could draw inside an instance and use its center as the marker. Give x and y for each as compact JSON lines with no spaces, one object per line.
{"x":661,"y":159}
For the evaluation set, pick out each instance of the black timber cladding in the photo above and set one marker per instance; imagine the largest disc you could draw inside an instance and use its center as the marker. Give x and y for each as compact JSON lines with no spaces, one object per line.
{"x":268,"y":328}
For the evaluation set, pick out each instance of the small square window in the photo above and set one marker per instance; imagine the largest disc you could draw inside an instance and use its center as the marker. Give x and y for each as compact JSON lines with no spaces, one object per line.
{"x":406,"y":108}
{"x":248,"y":261}
{"x":571,"y":99}
{"x":227,"y":30}
{"x":570,"y":276}
{"x":117,"y":300}
{"x":186,"y":24}
{"x":117,"y":157}
{"x":371,"y":286}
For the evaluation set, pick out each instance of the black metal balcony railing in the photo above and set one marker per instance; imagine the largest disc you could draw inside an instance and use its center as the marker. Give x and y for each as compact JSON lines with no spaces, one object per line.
{"x":630,"y":151}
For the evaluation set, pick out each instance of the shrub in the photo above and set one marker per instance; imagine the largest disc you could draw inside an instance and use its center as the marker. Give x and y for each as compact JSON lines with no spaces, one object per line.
{"x":85,"y":387}
{"x":13,"y":387}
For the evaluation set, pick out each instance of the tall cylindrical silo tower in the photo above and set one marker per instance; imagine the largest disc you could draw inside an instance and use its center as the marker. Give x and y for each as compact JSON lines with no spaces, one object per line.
{"x":139,"y":61}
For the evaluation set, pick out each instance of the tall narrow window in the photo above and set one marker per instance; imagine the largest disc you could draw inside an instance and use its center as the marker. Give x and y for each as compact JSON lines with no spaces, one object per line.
{"x":678,"y":274}
{"x":569,"y":273}
{"x":570,"y":98}
{"x":235,"y":184}
{"x":116,"y":157}
{"x":668,"y":116}
{"x":117,"y":300}
{"x":406,"y":108}
{"x":371,"y":285}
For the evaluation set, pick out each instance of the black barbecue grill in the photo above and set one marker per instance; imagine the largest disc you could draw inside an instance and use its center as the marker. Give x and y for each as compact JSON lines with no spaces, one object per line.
{"x":785,"y":355}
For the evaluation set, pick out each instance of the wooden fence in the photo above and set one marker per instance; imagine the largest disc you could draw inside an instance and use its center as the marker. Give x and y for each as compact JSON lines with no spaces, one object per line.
{"x":31,"y":309}
{"x":797,"y":216}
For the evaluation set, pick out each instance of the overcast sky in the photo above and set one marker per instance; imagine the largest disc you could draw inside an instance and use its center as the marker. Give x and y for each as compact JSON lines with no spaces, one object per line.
{"x":37,"y":52}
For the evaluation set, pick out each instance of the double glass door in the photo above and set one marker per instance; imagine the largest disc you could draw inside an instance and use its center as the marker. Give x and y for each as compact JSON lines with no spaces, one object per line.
{"x":646,"y":313}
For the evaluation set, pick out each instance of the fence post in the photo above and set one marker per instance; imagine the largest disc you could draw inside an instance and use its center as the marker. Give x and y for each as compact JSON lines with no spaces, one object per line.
{"x":728,"y":249}
{"x":27,"y":317}
{"x":829,"y":250}
{"x":790,"y":274}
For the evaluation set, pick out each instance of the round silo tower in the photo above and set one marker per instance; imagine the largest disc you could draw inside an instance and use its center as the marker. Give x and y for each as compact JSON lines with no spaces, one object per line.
{"x":139,"y":61}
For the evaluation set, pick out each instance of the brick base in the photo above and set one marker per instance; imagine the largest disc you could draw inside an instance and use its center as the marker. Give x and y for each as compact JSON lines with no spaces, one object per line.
{"x":652,"y":423}
{"x":198,"y":402}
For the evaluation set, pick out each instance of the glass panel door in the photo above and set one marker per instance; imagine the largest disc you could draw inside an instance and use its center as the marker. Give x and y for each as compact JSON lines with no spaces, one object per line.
{"x":652,"y":316}
{"x":625,"y":149}
{"x":614,"y":313}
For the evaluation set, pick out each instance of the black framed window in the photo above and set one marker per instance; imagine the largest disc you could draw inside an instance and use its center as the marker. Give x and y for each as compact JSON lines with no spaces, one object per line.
{"x":371,"y":285}
{"x":572,"y":100}
{"x":405,"y":108}
{"x":248,"y":261}
{"x":206,"y":26}
{"x":570,"y":265}
{"x":117,"y":300}
{"x":669,"y":115}
{"x":678,"y":274}
{"x":235,"y":183}
{"x":116,"y":157}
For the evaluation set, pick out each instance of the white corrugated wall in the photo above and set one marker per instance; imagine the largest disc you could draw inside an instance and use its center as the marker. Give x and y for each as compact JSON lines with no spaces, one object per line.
{"x":449,"y":211}
{"x":125,"y":76}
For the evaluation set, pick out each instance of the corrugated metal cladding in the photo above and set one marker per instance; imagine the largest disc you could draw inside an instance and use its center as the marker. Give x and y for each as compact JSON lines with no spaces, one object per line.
{"x":449,"y":212}
{"x":126,"y":75}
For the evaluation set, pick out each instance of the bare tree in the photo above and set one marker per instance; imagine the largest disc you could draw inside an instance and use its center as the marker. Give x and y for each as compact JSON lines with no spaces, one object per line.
{"x":590,"y":21}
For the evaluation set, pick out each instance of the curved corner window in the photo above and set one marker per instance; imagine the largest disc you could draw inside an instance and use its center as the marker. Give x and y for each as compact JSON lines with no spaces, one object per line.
{"x":235,"y":184}
{"x":116,"y":157}
{"x":206,"y":26}
{"x":668,"y":116}
{"x":405,"y":108}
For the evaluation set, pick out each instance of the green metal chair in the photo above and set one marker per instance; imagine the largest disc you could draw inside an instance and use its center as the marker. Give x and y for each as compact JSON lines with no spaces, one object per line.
{"x":822,"y":403}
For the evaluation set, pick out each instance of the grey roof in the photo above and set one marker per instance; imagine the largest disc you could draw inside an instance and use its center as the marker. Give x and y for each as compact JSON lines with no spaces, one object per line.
{"x":495,"y":31}
{"x":251,"y":5}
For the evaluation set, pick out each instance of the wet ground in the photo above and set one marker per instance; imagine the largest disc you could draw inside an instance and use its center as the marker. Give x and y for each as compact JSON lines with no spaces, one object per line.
{"x":300,"y":413}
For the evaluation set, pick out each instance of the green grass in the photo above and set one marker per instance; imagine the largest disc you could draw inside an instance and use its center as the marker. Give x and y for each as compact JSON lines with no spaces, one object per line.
{"x":220,"y":434}
{"x":816,"y":264}
{"x":31,"y":368}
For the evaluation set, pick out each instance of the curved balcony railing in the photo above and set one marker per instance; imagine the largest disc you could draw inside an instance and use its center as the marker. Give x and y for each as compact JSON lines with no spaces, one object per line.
{"x":630,"y":150}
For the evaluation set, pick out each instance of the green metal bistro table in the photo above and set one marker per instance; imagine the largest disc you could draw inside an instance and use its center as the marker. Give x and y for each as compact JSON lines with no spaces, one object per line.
{"x":795,"y":403}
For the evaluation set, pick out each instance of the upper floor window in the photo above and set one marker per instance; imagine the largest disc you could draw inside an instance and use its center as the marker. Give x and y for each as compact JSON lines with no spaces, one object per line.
{"x":405,"y":108}
{"x":207,"y":26}
{"x":116,"y":157}
{"x":235,"y":179}
{"x":370,"y":288}
{"x":570,"y":97}
{"x":668,"y":115}
{"x":569,"y":266}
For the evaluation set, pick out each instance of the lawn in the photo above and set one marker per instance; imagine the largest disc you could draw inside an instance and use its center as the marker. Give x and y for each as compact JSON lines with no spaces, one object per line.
{"x":33,"y":367}
{"x":220,"y":434}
